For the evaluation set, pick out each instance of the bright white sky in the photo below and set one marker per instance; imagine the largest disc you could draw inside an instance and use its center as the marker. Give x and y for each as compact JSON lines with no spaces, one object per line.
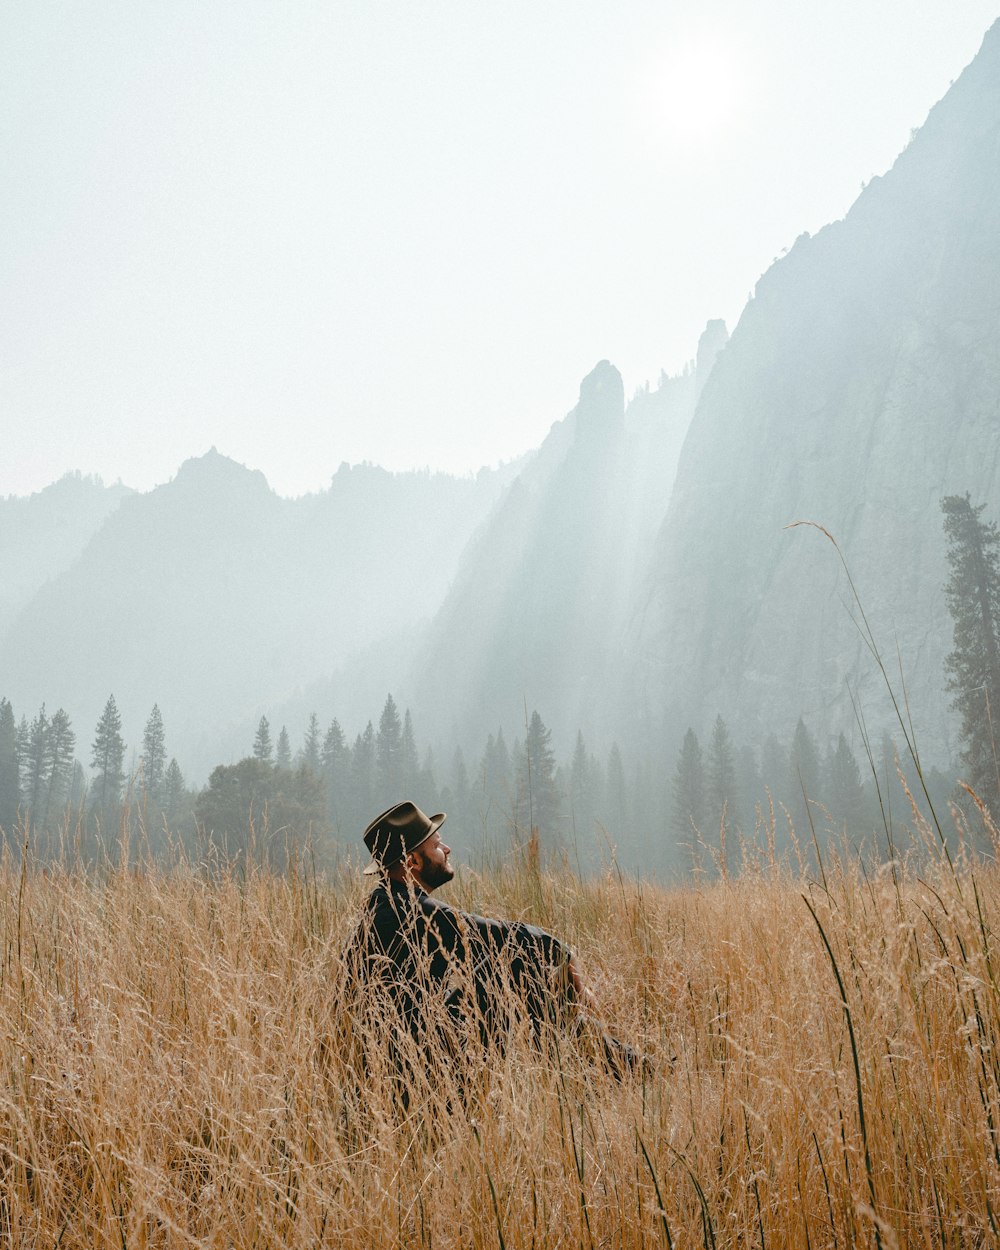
{"x":328,"y":230}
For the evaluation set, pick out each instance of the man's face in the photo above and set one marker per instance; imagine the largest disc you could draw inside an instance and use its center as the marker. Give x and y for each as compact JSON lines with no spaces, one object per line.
{"x":430,"y":862}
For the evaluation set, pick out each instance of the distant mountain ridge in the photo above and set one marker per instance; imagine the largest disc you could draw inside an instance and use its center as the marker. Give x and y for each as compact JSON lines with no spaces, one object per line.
{"x":213,"y":596}
{"x":42,"y":534}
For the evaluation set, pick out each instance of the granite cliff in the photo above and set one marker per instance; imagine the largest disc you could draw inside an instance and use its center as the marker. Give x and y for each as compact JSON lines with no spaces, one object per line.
{"x":861,"y":384}
{"x":545,"y":591}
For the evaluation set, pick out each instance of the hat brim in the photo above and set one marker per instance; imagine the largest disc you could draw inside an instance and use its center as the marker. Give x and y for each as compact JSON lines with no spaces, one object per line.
{"x":375,"y":867}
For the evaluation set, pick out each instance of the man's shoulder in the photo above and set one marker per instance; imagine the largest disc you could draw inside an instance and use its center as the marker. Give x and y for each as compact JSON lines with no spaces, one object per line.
{"x":386,"y":898}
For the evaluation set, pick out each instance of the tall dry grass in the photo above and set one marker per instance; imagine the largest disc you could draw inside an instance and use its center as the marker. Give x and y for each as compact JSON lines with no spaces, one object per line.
{"x":179,"y":1068}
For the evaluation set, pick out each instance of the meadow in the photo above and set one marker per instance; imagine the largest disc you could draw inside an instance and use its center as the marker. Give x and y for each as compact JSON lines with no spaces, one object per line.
{"x":180,"y":1068}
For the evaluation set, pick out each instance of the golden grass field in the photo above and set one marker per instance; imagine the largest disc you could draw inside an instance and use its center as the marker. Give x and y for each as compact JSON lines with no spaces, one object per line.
{"x":177,"y":1066}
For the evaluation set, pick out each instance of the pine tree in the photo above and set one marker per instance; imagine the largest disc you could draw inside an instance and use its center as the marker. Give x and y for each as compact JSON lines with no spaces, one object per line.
{"x":311,"y":746}
{"x":21,"y":748}
{"x":335,"y":761}
{"x":363,"y":779}
{"x":174,"y":792}
{"x":773,"y":770}
{"x":108,"y":760}
{"x":262,"y":749}
{"x":10,"y":783}
{"x":461,"y":806}
{"x":615,"y":795}
{"x":748,"y":787}
{"x":518,"y":798}
{"x":154,"y":754}
{"x":689,"y":790}
{"x":35,"y":766}
{"x":77,"y":787}
{"x":497,"y":778}
{"x":493,"y":786}
{"x":537,"y":782}
{"x":887,"y":770}
{"x":389,"y":752}
{"x":61,"y":766}
{"x":409,"y":763}
{"x":427,"y":784}
{"x":645,"y":812}
{"x":973,"y":667}
{"x":597,"y":786}
{"x":334,"y":747}
{"x":845,"y":793}
{"x":581,"y":791}
{"x":803,"y":779}
{"x":283,"y":756}
{"x":721,"y":778}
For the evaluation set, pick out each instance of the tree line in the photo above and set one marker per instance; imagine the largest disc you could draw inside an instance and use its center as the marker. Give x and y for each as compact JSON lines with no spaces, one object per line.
{"x":660,"y":815}
{"x":45,"y":791}
{"x":585,"y":807}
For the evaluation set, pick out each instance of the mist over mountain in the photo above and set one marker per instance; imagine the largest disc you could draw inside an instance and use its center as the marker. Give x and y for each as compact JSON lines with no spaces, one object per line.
{"x":214,"y":597}
{"x":41,"y":535}
{"x":540,"y":604}
{"x":632,"y":576}
{"x":861,"y":384}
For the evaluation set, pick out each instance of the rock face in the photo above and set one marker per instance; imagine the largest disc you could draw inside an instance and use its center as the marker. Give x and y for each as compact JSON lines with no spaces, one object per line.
{"x":861,"y":384}
{"x":536,"y":615}
{"x":213,"y":597}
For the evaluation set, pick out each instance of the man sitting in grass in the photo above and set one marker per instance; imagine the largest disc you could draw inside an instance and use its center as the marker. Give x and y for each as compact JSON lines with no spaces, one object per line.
{"x":443,"y":968}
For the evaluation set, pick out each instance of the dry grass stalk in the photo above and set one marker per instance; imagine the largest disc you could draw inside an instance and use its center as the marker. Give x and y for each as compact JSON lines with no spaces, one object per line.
{"x":179,"y":1069}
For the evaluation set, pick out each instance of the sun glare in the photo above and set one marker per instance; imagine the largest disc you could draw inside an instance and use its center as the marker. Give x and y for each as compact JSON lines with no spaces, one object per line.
{"x":695,"y":89}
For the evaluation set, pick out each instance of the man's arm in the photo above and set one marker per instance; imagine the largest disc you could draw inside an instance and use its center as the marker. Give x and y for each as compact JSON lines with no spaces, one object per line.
{"x":458,"y":931}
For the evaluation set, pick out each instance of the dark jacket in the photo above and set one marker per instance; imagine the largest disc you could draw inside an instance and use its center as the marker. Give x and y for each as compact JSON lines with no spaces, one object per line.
{"x":431,"y":958}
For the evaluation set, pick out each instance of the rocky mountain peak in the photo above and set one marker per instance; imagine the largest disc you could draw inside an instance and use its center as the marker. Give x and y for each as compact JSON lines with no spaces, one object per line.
{"x":713,"y":339}
{"x":213,"y":472}
{"x":600,"y":410}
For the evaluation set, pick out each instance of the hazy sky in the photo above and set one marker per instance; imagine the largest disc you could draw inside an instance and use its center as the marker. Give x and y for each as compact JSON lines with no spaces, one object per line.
{"x":403,"y":230}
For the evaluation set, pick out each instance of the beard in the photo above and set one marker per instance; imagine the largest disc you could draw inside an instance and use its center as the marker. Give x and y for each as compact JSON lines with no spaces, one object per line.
{"x":434,"y":874}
